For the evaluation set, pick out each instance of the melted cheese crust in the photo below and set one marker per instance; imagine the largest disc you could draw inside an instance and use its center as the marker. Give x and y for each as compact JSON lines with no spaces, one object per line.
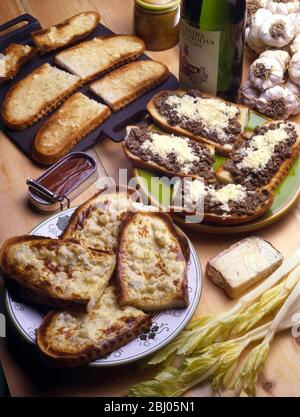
{"x":70,"y":332}
{"x":44,"y":85}
{"x":62,"y":269}
{"x":257,"y":155}
{"x":91,"y":57}
{"x":214,"y":114}
{"x":152,"y":263}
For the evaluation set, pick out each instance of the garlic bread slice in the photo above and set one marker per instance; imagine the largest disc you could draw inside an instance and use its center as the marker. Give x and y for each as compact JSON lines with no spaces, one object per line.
{"x":58,"y":273}
{"x":152,"y":262}
{"x":69,"y":339}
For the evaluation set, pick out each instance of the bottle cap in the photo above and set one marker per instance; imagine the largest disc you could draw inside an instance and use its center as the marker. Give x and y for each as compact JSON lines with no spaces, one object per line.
{"x":157,"y":5}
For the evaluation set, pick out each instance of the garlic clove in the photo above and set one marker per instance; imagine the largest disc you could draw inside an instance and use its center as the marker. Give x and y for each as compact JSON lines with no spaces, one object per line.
{"x":295,"y":45}
{"x":294,"y":68}
{"x":282,"y":57}
{"x":292,"y":87}
{"x":265,"y":73}
{"x":278,"y":102}
{"x":277,"y":31}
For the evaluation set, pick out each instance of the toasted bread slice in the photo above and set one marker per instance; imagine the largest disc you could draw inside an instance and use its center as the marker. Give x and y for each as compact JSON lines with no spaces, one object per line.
{"x":96,"y":222}
{"x":62,"y":274}
{"x":73,"y":339}
{"x":152,"y":262}
{"x":129,"y":82}
{"x":169,"y":154}
{"x":243,"y":265}
{"x":229,"y":204}
{"x":36,"y":95}
{"x":264,"y":158}
{"x":95,"y":57}
{"x":13,"y":58}
{"x":65,"y":33}
{"x":78,"y":116}
{"x":200,"y":116}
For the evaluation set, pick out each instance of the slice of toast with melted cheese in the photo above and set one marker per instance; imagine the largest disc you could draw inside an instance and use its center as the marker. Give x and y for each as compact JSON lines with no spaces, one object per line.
{"x":72,"y":339}
{"x":152,"y":262}
{"x":13,"y":58}
{"x":36,"y":95}
{"x":65,"y":33}
{"x":200,"y":116}
{"x":264,"y":158}
{"x":99,"y":55}
{"x":78,"y":116}
{"x":124,"y":85}
{"x":59,"y":273}
{"x":96,"y":222}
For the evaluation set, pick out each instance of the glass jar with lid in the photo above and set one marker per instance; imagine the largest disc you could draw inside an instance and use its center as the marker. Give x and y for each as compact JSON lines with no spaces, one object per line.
{"x":157,"y":23}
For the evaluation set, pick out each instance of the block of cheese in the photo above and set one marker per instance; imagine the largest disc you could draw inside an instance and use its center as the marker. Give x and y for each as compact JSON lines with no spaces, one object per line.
{"x":243,"y":265}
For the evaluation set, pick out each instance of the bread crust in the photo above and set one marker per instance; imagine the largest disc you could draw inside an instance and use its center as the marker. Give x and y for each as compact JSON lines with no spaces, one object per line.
{"x":45,"y":47}
{"x":45,"y":109}
{"x":140,"y":88}
{"x":38,"y":151}
{"x":182,"y":299}
{"x":130,"y":56}
{"x":32,"y":292}
{"x":22,"y":59}
{"x":63,"y":359}
{"x":225,"y":176}
{"x":161,"y":121}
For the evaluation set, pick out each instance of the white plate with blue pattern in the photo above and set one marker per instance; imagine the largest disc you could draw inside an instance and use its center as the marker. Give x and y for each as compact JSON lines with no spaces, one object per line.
{"x":165,"y":324}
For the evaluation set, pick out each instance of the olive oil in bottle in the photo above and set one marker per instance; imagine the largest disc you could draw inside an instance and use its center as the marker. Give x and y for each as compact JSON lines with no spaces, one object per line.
{"x":212,"y":46}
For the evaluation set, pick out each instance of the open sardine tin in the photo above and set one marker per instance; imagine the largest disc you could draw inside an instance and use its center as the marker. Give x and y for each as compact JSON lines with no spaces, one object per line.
{"x":62,"y":182}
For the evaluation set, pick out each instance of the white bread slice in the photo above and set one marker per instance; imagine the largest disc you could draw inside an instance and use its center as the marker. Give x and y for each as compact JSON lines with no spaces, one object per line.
{"x":225,"y":177}
{"x":96,"y":222}
{"x":13,"y":58}
{"x":36,"y":95}
{"x":126,"y":84}
{"x":211,"y":101}
{"x":95,"y":57}
{"x":78,"y":116}
{"x":58,"y":273}
{"x":243,"y":265}
{"x":152,"y":262}
{"x":65,"y":33}
{"x":68,"y":339}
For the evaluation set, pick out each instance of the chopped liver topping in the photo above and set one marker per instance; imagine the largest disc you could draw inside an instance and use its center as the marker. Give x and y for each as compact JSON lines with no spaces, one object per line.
{"x":203,"y":116}
{"x":257,"y":160}
{"x":224,"y":200}
{"x":174,"y":153}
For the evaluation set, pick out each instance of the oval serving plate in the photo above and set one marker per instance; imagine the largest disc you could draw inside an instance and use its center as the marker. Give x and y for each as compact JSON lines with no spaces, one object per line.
{"x":166,"y":324}
{"x":286,"y":194}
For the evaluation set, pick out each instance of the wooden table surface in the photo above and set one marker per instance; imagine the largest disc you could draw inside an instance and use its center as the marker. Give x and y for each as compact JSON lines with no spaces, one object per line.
{"x":281,"y":376}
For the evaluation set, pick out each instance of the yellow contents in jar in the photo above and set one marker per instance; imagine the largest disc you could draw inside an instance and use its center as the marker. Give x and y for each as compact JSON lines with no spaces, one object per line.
{"x":157,"y":23}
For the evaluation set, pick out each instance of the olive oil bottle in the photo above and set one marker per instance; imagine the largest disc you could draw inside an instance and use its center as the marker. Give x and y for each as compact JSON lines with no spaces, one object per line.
{"x":212,"y":46}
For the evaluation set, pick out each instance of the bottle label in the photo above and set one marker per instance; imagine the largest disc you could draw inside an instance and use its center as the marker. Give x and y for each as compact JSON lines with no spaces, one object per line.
{"x":199,"y":58}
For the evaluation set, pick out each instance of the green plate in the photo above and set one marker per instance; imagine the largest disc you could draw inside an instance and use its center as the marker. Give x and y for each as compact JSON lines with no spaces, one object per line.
{"x":286,"y":195}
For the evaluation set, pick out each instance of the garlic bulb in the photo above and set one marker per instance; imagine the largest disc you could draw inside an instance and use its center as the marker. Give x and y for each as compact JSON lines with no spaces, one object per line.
{"x":295,"y":18}
{"x":254,"y":5}
{"x":248,"y":94}
{"x":253,"y":31}
{"x":292,"y":87}
{"x":283,"y":7}
{"x":282,"y":57}
{"x":265,"y":73}
{"x":277,"y":31}
{"x":295,"y":45}
{"x":278,"y":102}
{"x":294,"y":68}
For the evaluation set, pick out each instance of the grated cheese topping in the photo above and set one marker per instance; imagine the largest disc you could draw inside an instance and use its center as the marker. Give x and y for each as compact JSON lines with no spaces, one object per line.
{"x":164,"y":145}
{"x":261,"y":149}
{"x":215,"y":114}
